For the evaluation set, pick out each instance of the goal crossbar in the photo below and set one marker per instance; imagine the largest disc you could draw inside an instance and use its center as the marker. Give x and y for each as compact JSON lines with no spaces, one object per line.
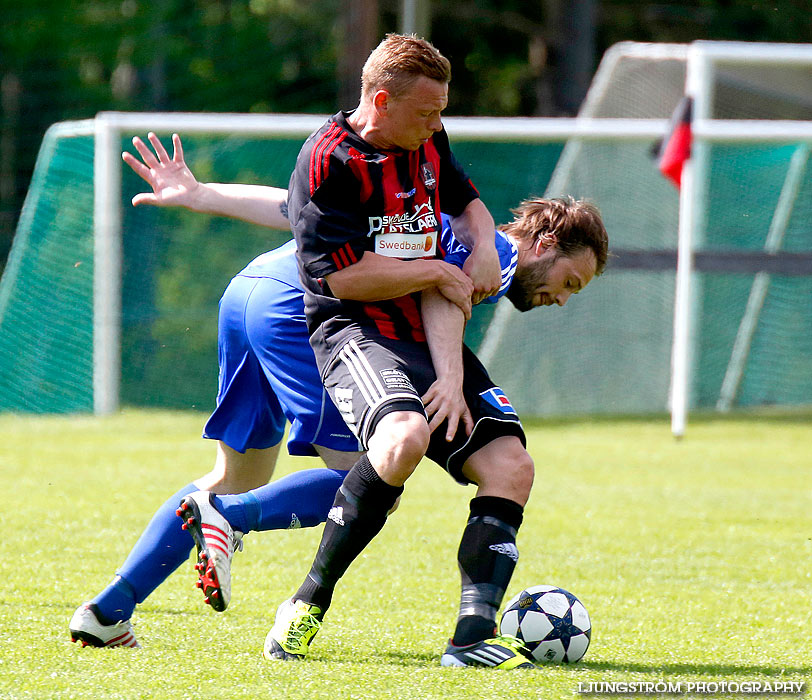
{"x":108,"y":128}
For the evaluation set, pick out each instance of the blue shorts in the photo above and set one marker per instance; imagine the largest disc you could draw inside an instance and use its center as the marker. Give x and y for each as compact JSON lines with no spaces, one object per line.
{"x":268,"y":373}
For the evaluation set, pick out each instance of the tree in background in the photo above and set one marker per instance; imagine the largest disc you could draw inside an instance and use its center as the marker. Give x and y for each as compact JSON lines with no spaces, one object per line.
{"x":63,"y":61}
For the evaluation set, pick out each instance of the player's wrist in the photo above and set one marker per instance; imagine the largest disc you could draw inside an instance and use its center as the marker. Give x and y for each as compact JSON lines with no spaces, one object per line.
{"x":433,"y":274}
{"x":446,"y":273}
{"x":450,"y":375}
{"x":205,"y":197}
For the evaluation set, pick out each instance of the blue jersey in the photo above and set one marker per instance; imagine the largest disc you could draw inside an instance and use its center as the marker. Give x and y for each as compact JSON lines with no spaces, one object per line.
{"x":456,"y":254}
{"x":279,"y":264}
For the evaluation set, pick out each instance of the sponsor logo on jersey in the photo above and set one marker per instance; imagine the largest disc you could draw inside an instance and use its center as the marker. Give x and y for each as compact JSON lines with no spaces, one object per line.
{"x":418,"y":221}
{"x":496,"y":397}
{"x":336,"y":514}
{"x":405,"y":245}
{"x":295,"y":523}
{"x":406,"y":195}
{"x":507,"y":548}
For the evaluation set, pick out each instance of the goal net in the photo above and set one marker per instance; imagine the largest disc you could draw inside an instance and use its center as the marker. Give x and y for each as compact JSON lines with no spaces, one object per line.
{"x":746,"y":339}
{"x":103,"y":304}
{"x":46,"y":292}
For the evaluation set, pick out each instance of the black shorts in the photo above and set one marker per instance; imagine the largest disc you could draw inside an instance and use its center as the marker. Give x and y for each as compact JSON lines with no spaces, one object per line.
{"x":368,"y":375}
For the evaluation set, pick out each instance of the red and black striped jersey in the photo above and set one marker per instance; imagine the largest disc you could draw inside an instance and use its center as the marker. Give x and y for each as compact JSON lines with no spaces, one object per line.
{"x":346,"y":197}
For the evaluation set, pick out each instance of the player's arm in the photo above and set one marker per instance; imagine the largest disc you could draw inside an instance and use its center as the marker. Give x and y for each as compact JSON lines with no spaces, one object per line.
{"x":474,"y":228}
{"x":376,"y":277}
{"x":458,"y":255}
{"x":444,"y":324}
{"x":445,"y":306}
{"x":472,"y":221}
{"x":174,"y":185}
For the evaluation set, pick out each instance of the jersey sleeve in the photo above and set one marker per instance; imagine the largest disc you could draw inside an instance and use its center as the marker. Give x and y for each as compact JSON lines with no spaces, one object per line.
{"x":457,"y":254}
{"x":456,"y":189}
{"x":327,"y":223}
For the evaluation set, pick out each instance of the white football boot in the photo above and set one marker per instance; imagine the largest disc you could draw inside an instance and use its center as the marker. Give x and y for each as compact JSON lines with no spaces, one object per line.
{"x":216,"y":542}
{"x":86,"y":628}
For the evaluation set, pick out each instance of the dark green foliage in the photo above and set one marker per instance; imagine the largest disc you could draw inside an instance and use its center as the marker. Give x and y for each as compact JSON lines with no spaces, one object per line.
{"x":509,"y":57}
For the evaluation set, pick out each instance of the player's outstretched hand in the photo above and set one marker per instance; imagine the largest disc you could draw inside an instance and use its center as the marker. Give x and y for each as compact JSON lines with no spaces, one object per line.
{"x":172,"y":183}
{"x":443,"y":400}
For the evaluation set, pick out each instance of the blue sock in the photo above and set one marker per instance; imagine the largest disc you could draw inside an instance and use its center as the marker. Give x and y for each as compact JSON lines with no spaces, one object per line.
{"x":301,"y":499}
{"x":162,"y":548}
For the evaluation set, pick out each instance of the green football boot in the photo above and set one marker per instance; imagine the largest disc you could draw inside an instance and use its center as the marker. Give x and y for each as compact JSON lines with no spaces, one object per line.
{"x":504,"y":652}
{"x":293,"y":629}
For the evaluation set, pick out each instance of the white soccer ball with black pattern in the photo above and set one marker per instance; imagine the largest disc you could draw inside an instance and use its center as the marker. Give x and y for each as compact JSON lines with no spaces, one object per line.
{"x":553,"y":624}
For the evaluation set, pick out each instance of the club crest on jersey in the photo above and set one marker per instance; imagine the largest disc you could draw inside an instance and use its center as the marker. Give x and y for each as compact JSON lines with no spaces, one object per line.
{"x":496,"y":397}
{"x":429,"y":178}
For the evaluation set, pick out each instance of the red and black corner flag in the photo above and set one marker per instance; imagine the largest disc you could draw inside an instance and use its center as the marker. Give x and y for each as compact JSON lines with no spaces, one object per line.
{"x":675,"y":148}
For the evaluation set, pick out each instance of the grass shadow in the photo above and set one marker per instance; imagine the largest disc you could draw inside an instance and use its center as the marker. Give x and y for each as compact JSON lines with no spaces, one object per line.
{"x":418,"y":660}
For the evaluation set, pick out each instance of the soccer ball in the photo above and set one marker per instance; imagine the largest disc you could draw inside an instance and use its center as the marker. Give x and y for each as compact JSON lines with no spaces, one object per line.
{"x":553,"y":624}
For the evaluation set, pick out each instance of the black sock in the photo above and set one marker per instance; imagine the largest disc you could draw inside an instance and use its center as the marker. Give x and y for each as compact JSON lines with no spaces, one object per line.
{"x":358,"y":514}
{"x":486,"y":558}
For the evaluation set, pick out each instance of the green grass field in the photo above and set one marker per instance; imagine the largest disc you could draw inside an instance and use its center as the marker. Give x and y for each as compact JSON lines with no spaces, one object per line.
{"x":694,"y":559}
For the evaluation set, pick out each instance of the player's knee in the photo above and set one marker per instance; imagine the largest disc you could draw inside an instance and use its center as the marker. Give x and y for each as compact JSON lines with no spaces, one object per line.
{"x":513,"y":475}
{"x":399,"y":442}
{"x":508,"y":472}
{"x":407,"y":433}
{"x":525,"y":472}
{"x":414,"y":444}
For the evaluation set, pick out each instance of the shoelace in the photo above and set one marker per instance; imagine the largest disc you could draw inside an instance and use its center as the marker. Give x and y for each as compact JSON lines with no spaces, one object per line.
{"x":510,"y":641}
{"x":305,"y":624}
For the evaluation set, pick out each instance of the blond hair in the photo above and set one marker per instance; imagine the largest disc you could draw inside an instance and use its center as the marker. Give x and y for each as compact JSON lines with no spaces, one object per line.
{"x":398,"y":61}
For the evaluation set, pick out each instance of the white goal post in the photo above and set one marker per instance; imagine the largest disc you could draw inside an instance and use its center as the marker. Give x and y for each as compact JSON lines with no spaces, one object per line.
{"x":594,"y":141}
{"x":704,"y":59}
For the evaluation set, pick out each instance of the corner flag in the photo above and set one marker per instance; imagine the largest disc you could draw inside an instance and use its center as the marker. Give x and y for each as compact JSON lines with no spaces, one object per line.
{"x":673,"y":150}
